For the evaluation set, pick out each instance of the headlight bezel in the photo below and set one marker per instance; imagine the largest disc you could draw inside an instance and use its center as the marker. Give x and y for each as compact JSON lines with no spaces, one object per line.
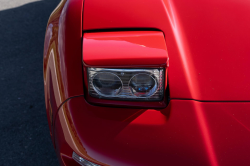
{"x":125,"y":75}
{"x":125,"y":103}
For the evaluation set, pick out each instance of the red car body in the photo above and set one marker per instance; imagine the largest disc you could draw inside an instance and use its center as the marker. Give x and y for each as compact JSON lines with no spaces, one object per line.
{"x":204,"y":47}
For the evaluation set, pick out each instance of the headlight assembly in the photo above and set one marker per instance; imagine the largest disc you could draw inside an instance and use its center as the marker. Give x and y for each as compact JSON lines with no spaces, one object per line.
{"x":126,"y":84}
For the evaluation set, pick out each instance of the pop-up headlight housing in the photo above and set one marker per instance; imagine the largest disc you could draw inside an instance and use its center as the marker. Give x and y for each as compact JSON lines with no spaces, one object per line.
{"x":125,"y":68}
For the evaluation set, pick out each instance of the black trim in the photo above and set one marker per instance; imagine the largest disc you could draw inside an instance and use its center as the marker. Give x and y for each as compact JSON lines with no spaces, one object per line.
{"x":120,"y":29}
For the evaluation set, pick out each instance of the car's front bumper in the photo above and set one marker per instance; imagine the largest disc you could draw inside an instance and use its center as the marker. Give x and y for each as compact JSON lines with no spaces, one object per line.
{"x":187,"y":132}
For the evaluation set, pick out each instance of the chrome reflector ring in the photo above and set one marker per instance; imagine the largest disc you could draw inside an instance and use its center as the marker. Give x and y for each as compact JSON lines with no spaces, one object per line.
{"x":107,"y":84}
{"x":143,"y":85}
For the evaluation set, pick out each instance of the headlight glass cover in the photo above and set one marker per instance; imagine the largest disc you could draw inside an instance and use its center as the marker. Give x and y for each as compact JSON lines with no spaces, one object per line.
{"x":126,"y":84}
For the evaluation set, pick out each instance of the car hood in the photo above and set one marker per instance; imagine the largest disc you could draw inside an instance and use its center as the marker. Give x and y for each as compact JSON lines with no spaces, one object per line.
{"x":207,"y":41}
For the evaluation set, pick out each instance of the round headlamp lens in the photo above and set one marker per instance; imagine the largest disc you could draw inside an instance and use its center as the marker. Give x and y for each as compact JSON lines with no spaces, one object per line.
{"x":143,"y":85}
{"x":107,"y":84}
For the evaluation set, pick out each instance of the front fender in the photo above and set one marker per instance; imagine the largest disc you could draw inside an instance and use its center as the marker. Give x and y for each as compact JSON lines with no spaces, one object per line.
{"x":62,"y":66}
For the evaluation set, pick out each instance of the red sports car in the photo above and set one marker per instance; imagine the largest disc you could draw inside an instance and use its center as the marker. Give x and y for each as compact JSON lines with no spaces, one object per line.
{"x":149,"y":82}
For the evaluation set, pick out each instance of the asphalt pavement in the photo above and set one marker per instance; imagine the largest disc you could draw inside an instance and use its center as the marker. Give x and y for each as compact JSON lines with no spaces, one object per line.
{"x":24,"y":132}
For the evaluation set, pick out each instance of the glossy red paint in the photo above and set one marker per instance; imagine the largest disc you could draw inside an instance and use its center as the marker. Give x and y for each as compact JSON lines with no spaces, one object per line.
{"x":185,"y":133}
{"x":62,"y":56}
{"x":208,"y":41}
{"x":125,"y":49}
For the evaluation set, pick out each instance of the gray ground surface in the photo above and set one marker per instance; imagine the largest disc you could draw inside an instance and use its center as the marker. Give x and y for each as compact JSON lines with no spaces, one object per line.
{"x":24,"y":133}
